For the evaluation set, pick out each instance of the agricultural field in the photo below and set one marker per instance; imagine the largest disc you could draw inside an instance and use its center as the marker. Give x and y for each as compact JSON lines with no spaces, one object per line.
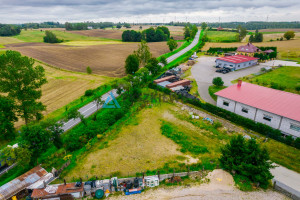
{"x":110,"y":34}
{"x":107,"y":60}
{"x":161,"y":137}
{"x":285,"y":78}
{"x":221,"y":36}
{"x":65,"y":86}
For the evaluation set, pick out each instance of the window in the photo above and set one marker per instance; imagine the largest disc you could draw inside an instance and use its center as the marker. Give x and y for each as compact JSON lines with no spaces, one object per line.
{"x":245,"y":110}
{"x":267,"y":118}
{"x":238,"y":65}
{"x":295,"y":127}
{"x":225,"y":103}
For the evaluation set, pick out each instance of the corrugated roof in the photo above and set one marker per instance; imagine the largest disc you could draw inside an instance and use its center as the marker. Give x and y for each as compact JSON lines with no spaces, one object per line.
{"x":178,"y":83}
{"x":56,"y":190}
{"x":164,"y":79}
{"x":274,"y":101}
{"x":20,"y":183}
{"x":237,"y":58}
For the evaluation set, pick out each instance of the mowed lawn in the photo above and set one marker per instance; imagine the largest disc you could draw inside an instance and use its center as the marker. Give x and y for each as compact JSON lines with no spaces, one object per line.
{"x":65,"y":86}
{"x":221,"y":36}
{"x":138,"y":145}
{"x":286,"y":78}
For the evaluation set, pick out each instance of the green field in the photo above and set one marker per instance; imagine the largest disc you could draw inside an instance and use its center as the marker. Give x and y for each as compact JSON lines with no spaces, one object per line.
{"x":37,"y":36}
{"x":221,"y":36}
{"x":285,"y":78}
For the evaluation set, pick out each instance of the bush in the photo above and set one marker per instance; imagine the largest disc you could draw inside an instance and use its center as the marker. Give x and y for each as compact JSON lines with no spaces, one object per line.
{"x":88,"y":70}
{"x":51,"y":38}
{"x":89,"y":93}
{"x":218,"y":81}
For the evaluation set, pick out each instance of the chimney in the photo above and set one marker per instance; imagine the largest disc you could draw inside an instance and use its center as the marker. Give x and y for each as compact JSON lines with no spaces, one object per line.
{"x":239,"y":83}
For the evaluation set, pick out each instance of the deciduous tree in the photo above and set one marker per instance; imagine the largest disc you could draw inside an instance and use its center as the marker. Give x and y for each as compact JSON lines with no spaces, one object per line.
{"x":172,"y":44}
{"x":143,"y":53}
{"x":7,"y":117}
{"x":22,"y":81}
{"x":289,"y":35}
{"x":153,"y":66}
{"x":217,"y":81}
{"x":131,"y":64}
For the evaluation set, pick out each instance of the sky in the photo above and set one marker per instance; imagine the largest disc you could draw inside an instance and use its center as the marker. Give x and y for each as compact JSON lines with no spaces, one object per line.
{"x":148,"y":11}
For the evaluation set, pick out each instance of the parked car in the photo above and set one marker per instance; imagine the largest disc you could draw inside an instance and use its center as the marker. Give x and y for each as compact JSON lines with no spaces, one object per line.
{"x":219,"y":70}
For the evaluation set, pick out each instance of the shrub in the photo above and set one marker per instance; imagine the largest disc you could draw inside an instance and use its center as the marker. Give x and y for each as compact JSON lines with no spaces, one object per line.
{"x":89,"y":93}
{"x":218,"y":81}
{"x":88,"y":70}
{"x":51,"y":38}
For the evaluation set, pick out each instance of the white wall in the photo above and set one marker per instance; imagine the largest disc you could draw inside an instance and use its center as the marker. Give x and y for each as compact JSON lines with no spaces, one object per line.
{"x":231,"y":106}
{"x":251,"y":110}
{"x":285,"y":127}
{"x":275,"y":121}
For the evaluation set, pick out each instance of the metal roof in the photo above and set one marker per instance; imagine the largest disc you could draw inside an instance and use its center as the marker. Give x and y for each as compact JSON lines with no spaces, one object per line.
{"x":237,"y":58}
{"x":20,"y":183}
{"x":164,"y":83}
{"x":274,"y":101}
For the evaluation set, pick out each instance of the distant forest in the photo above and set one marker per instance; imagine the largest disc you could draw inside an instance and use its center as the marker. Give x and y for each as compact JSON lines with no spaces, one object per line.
{"x":256,"y":25}
{"x":9,"y":30}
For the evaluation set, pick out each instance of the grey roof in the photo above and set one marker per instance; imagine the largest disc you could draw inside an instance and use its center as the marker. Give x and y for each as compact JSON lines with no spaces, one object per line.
{"x":163,"y":84}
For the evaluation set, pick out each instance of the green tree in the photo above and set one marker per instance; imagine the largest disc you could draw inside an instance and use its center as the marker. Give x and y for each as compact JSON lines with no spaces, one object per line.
{"x":50,"y":37}
{"x":7,"y":117}
{"x":36,"y":138}
{"x":21,"y":155}
{"x":165,"y":30}
{"x":153,"y":66}
{"x":217,"y":81}
{"x":88,"y":70}
{"x":22,"y":81}
{"x":160,"y":35}
{"x":172,"y":44}
{"x":126,"y":25}
{"x":289,"y":35}
{"x":143,"y":53}
{"x":258,"y":37}
{"x":203,"y":25}
{"x":163,"y":60}
{"x":251,"y":38}
{"x":187,"y":32}
{"x":119,"y":26}
{"x":241,"y":33}
{"x":55,"y":132}
{"x":248,"y":159}
{"x":131,"y":64}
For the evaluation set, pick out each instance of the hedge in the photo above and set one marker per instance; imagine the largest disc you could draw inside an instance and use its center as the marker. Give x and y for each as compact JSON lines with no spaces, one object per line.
{"x":237,"y":119}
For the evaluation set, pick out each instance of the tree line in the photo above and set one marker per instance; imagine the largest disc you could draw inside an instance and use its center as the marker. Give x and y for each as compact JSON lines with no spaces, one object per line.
{"x":9,"y":30}
{"x":158,"y":34}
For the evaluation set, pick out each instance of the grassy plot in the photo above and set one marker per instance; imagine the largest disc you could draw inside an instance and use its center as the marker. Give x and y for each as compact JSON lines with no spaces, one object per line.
{"x":285,"y":78}
{"x":37,"y":36}
{"x":213,"y":89}
{"x":221,"y":36}
{"x":181,"y":46}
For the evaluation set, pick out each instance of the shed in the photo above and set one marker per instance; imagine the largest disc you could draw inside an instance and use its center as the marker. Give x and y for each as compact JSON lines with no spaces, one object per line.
{"x":184,"y":82}
{"x":163,"y":79}
{"x":180,"y":87}
{"x":164,"y":84}
{"x":151,"y":181}
{"x":22,"y":182}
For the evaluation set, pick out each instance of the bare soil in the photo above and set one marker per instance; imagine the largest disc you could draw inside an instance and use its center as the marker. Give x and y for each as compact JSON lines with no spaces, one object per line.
{"x":111,"y":34}
{"x":108,"y":59}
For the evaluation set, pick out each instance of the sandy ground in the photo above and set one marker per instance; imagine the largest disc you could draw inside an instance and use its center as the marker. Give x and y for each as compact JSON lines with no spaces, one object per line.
{"x":220,"y":186}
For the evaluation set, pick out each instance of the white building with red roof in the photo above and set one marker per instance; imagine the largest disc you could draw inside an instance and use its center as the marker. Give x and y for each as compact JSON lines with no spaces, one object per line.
{"x":275,"y":108}
{"x":236,"y":62}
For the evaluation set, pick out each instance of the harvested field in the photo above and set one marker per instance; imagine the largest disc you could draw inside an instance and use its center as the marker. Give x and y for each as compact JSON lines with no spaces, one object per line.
{"x":111,"y":34}
{"x":65,"y":86}
{"x":279,"y":30}
{"x":105,"y":60}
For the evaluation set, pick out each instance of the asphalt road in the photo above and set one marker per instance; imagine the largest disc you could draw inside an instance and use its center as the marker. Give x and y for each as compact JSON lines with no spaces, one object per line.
{"x":186,"y":49}
{"x":88,"y":110}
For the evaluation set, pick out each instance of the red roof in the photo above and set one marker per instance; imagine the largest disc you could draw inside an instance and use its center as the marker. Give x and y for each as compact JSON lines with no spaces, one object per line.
{"x":274,"y":101}
{"x":248,"y":48}
{"x":237,"y":58}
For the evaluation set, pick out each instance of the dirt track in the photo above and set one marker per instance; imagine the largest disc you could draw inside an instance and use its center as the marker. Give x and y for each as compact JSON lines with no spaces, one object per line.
{"x":221,"y":186}
{"x":105,"y":60}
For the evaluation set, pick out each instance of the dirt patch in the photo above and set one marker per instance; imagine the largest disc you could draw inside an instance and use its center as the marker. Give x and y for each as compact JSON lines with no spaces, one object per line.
{"x":111,"y":34}
{"x":105,"y":60}
{"x":221,"y":186}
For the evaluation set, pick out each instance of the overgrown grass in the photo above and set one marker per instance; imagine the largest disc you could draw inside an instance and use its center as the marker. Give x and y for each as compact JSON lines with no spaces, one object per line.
{"x":243,"y":183}
{"x":285,"y":78}
{"x":221,"y":36}
{"x":187,"y":143}
{"x":213,"y":89}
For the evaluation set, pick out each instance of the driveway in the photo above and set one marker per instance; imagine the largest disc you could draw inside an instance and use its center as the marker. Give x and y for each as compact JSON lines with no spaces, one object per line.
{"x":204,"y":72}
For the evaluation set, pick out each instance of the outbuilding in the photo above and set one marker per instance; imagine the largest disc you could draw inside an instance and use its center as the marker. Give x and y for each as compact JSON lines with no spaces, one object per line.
{"x":275,"y":108}
{"x":236,"y":62}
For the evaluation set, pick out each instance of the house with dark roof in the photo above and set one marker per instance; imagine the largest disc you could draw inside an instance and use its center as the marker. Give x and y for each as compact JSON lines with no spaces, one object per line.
{"x":248,"y":50}
{"x":275,"y":108}
{"x":236,"y":62}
